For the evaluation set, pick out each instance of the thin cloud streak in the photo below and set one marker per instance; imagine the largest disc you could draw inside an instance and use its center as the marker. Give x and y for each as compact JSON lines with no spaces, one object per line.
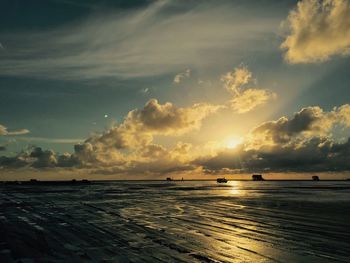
{"x":135,"y":43}
{"x":50,"y":140}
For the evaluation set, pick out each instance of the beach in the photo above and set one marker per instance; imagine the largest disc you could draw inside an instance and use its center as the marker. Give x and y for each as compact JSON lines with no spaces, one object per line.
{"x":176,"y":221}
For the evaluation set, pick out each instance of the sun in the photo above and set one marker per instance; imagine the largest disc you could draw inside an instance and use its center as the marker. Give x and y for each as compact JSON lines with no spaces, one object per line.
{"x":233,"y":142}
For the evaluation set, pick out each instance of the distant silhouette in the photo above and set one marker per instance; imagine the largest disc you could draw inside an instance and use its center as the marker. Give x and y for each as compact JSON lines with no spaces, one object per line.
{"x":221,"y":180}
{"x":315,"y":178}
{"x":257,"y":177}
{"x":169,"y":179}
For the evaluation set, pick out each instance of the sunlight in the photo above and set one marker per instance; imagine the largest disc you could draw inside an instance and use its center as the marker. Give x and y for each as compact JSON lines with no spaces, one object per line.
{"x":233,"y":142}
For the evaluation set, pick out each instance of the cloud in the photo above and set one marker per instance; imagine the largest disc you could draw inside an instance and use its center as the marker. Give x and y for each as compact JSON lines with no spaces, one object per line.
{"x":50,"y":140}
{"x":301,"y":143}
{"x":245,"y":95}
{"x":156,"y":159}
{"x":167,"y":119}
{"x":249,"y":99}
{"x":318,"y":30}
{"x":13,"y":162}
{"x":38,"y":158}
{"x":235,"y":80}
{"x":45,"y":158}
{"x":128,"y":147}
{"x":181,"y":76}
{"x":116,"y":145}
{"x":4,"y":131}
{"x":314,"y":154}
{"x":153,"y":40}
{"x":308,"y":122}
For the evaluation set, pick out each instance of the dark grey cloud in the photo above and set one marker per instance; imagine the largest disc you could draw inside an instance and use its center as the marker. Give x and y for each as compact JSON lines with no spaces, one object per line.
{"x":303,"y":142}
{"x":13,"y":162}
{"x":316,"y":154}
{"x":38,"y":158}
{"x":44,"y":158}
{"x":308,"y":121}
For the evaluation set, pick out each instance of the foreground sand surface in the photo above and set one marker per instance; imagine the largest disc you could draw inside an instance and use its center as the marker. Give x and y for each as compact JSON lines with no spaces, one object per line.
{"x":176,"y":222}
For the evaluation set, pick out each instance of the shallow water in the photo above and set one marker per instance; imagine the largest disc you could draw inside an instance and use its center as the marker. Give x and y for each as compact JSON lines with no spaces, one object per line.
{"x":190,"y":221}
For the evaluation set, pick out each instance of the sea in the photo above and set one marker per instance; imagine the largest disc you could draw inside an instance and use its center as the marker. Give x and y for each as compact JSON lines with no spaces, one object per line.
{"x":175,"y":221}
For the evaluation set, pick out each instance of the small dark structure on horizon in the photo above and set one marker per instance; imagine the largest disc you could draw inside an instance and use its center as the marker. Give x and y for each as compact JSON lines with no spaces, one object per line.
{"x":315,"y":178}
{"x":221,"y":180}
{"x":169,"y":179}
{"x":257,"y":177}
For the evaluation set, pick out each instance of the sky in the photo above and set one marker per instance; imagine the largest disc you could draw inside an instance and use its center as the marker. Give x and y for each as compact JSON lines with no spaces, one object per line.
{"x":154,"y":89}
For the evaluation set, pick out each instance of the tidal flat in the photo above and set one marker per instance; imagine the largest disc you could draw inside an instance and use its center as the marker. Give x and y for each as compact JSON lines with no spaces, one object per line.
{"x":177,"y":221}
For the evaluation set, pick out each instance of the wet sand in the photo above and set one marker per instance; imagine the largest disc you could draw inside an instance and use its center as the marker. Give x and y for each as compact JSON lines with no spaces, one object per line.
{"x":176,"y":222}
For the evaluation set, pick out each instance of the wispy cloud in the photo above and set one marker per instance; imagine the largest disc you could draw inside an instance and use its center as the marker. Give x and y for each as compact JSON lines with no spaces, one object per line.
{"x":4,"y":131}
{"x":50,"y":140}
{"x":136,"y":43}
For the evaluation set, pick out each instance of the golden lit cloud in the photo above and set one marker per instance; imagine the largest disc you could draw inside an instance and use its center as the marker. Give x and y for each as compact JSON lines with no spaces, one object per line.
{"x":245,"y":95}
{"x":233,"y":142}
{"x":317,"y":31}
{"x":303,"y":142}
{"x":308,"y":122}
{"x":250,"y":99}
{"x":235,"y":80}
{"x":130,"y":143}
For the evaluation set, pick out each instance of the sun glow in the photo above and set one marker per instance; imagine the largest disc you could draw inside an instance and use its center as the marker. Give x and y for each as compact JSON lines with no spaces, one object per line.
{"x":233,"y":142}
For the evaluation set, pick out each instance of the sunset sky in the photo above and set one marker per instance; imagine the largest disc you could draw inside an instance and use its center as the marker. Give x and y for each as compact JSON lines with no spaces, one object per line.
{"x":151,"y":89}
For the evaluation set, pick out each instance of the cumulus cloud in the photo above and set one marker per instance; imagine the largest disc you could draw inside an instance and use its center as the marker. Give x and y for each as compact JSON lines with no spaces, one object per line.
{"x":156,"y":159}
{"x":128,"y":147}
{"x":13,"y":162}
{"x":318,"y":30}
{"x":45,"y":158}
{"x":181,"y":76}
{"x":245,"y":94}
{"x":301,"y":143}
{"x":308,"y":122}
{"x":315,"y":154}
{"x":5,"y":131}
{"x":36,"y":157}
{"x":140,"y":125}
{"x":116,"y":145}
